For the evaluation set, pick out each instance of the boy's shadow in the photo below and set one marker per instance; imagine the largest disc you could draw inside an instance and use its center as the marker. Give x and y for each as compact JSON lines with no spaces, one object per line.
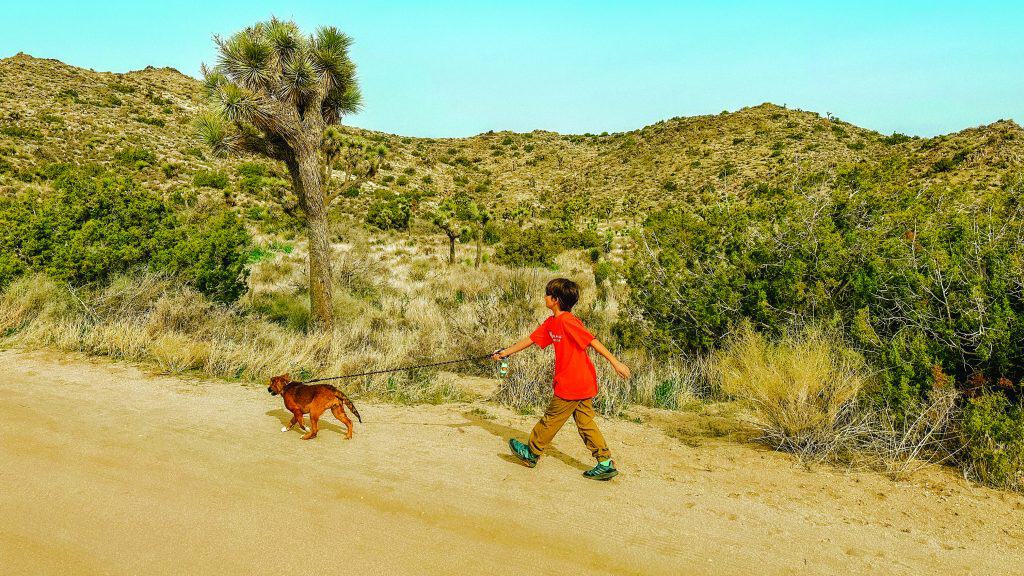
{"x":285,"y":417}
{"x":507,"y":432}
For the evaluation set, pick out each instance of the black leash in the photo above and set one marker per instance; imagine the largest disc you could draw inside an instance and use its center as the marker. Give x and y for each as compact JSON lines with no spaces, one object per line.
{"x":402,"y":369}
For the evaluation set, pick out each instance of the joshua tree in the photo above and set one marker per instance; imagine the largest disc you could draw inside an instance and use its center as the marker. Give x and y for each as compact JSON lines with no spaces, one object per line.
{"x":447,"y":220}
{"x":281,"y":94}
{"x":451,"y":217}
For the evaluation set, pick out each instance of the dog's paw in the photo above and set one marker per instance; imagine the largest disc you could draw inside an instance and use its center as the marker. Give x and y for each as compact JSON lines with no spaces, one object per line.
{"x":284,"y":428}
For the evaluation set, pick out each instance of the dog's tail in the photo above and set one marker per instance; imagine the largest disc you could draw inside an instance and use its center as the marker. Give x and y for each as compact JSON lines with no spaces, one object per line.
{"x":341,"y":396}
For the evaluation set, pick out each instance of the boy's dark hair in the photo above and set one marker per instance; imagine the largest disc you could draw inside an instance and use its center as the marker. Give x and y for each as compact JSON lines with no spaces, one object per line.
{"x":565,"y":291}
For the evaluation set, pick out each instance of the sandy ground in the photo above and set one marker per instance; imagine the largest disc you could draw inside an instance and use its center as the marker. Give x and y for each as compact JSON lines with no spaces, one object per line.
{"x":108,"y":470}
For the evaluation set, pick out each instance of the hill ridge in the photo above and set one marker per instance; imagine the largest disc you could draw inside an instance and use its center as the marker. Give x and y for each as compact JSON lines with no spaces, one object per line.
{"x":51,"y":111}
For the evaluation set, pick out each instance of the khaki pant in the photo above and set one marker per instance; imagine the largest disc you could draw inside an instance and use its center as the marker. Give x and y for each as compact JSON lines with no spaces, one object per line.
{"x":555,"y":416}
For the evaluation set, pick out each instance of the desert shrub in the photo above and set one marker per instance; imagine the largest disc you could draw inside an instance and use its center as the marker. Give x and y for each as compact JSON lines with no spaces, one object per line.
{"x":915,"y":278}
{"x":88,"y":228}
{"x":158,"y":122}
{"x":992,"y":431}
{"x":603,"y":270}
{"x":122,"y":87}
{"x":15,"y":131}
{"x":210,"y":179}
{"x":534,"y":246}
{"x":895,"y":138}
{"x":700,"y":270}
{"x":948,"y":163}
{"x":390,"y":213}
{"x":798,"y":387}
{"x":669,"y":384}
{"x":579,"y":239}
{"x":251,"y":169}
{"x":901,"y":440}
{"x":27,"y":298}
{"x":210,"y":253}
{"x":135,"y":156}
{"x":252,"y":177}
{"x":169,"y":169}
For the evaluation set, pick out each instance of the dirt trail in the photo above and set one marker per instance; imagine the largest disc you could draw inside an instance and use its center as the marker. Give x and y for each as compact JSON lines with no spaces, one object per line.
{"x":106,"y":470}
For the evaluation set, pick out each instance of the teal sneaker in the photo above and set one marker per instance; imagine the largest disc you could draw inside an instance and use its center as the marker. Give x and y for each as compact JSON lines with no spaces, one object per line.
{"x":522,"y":451}
{"x":602,"y":471}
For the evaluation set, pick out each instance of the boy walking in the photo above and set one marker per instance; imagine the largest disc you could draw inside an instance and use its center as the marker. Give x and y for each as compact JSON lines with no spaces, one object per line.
{"x":575,"y":380}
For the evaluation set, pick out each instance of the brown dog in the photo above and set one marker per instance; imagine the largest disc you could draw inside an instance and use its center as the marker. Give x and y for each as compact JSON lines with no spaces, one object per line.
{"x":314,"y":400}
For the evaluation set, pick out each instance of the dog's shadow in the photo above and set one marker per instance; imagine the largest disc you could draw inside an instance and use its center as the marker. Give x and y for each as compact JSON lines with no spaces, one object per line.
{"x":285,"y":417}
{"x":505,"y":432}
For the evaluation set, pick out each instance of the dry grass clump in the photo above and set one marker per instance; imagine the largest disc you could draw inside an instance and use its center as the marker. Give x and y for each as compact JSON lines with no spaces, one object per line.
{"x":528,"y":384}
{"x":176,"y":352}
{"x":901,"y":444}
{"x":799,"y":389}
{"x":669,"y":383}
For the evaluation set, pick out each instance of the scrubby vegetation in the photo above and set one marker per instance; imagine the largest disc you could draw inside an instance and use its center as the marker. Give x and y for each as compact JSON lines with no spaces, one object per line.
{"x":860,"y":296}
{"x":926,"y":284}
{"x":88,"y":226}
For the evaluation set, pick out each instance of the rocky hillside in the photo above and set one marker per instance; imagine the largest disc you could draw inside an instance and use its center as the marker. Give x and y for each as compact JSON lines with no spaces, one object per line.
{"x":140,"y":122}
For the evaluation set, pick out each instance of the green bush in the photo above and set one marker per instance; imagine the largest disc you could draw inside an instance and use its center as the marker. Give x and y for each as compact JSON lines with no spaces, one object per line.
{"x":918,"y":278}
{"x":135,"y":156}
{"x":15,"y":131}
{"x":87,"y":228}
{"x":390,"y":214}
{"x":158,"y":122}
{"x":530,"y":247}
{"x":574,"y":239}
{"x":252,"y":169}
{"x":211,"y":254}
{"x":211,"y":179}
{"x":992,"y":432}
{"x":895,"y":138}
{"x":603,"y":271}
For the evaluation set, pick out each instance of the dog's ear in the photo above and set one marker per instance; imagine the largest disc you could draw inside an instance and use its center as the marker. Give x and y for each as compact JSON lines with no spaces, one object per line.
{"x":287,"y":376}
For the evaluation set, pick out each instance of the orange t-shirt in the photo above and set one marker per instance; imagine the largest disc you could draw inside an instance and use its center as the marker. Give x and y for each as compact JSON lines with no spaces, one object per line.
{"x":575,"y":376}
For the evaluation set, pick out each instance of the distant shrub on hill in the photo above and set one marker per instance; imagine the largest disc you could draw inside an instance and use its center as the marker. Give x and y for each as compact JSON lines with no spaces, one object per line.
{"x":135,"y":156}
{"x":895,"y":138}
{"x":947,"y":164}
{"x":390,"y":214}
{"x":158,"y":122}
{"x":211,"y":179}
{"x":15,"y":131}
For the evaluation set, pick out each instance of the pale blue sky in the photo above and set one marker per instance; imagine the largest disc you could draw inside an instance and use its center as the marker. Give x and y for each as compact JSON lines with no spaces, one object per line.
{"x":445,"y":68}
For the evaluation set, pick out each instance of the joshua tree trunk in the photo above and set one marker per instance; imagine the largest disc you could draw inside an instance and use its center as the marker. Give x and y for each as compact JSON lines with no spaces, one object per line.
{"x":306,"y":178}
{"x":451,"y":248}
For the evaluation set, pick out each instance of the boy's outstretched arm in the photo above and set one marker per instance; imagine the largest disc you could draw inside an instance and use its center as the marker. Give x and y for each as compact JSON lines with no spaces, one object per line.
{"x":621,"y":369}
{"x":517,"y":347}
